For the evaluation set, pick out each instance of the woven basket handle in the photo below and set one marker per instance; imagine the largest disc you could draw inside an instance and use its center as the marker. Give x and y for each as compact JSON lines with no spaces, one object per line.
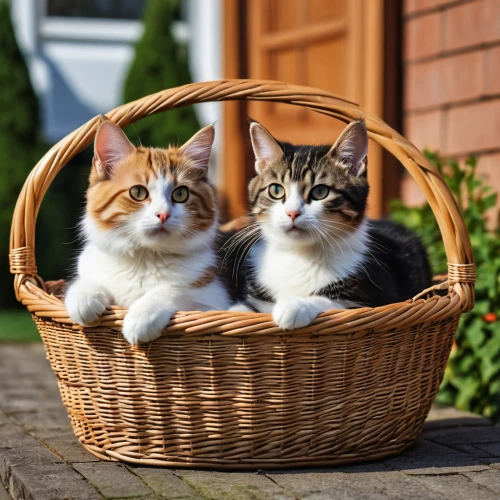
{"x":452,"y":226}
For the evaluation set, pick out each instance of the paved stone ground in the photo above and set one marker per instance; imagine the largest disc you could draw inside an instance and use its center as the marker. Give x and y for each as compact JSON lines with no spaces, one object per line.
{"x":458,"y":457}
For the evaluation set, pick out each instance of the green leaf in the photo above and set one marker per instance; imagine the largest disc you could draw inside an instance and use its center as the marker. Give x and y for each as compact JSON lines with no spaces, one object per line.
{"x":488,"y":369}
{"x":466,"y":392}
{"x":475,"y":333}
{"x":490,"y":201}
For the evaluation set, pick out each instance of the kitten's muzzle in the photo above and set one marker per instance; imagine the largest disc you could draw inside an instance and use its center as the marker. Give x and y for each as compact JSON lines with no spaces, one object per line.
{"x":294,"y":214}
{"x":295,"y":229}
{"x":163,"y":216}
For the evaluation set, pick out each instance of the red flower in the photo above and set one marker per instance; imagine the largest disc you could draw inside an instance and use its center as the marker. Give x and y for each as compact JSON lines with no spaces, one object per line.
{"x":490,"y":317}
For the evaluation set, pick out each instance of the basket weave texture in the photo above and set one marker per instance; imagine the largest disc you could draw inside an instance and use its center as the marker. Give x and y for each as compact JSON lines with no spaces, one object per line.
{"x":232,"y":390}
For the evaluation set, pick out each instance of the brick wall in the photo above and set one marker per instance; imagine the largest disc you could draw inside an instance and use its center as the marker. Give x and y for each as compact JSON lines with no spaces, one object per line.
{"x":452,"y":81}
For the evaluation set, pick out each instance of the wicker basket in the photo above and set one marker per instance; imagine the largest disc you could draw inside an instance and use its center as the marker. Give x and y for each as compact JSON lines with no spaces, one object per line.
{"x":231,"y":390}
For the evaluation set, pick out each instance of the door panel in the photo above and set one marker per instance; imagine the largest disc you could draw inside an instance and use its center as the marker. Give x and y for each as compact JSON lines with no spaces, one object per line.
{"x":305,"y":42}
{"x":280,"y":15}
{"x":321,"y":10}
{"x":325,"y":63}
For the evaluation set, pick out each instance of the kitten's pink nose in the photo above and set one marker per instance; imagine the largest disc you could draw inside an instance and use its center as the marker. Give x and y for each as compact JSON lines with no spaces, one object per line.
{"x":163,"y":216}
{"x":293,"y":215}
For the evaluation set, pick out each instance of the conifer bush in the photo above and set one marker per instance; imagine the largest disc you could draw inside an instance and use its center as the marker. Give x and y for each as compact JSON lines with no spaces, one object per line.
{"x":20,"y":145}
{"x":160,"y":63}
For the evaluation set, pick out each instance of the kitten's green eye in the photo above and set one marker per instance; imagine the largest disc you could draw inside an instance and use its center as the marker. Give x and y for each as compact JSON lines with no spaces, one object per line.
{"x":276,"y":191}
{"x":138,"y":193}
{"x":180,"y":194}
{"x":319,"y":192}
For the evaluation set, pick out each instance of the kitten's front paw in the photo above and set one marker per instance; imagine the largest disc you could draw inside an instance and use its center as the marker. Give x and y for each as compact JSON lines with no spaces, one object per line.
{"x":86,"y":303}
{"x":295,"y":313}
{"x":143,"y":324}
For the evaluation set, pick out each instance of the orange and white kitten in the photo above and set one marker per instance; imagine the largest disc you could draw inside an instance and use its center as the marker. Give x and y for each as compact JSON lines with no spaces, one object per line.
{"x":149,"y":226}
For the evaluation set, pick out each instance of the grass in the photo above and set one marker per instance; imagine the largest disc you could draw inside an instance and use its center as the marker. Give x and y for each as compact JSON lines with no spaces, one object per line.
{"x":17,"y":326}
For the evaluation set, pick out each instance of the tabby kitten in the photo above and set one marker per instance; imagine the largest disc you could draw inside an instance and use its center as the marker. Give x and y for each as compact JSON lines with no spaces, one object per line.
{"x":314,"y":249}
{"x":149,"y":226}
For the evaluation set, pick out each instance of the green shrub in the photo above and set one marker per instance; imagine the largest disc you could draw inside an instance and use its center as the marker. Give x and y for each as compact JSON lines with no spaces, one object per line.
{"x":472,"y":378}
{"x":20,"y":145}
{"x":160,"y":63}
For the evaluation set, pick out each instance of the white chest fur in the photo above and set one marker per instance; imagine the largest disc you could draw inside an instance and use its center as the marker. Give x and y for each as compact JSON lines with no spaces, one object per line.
{"x":129,"y":277}
{"x":294,"y":271}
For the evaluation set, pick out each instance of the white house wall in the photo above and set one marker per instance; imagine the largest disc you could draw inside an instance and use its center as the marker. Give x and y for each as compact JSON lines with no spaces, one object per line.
{"x":78,"y":66}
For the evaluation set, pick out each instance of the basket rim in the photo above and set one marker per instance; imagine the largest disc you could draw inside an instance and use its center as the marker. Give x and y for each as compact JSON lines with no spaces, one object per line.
{"x":49,"y":306}
{"x":30,"y":288}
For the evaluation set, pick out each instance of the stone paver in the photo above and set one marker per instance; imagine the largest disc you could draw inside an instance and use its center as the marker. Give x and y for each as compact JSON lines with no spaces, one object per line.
{"x":427,"y":457}
{"x":65,"y":444}
{"x":452,"y":437}
{"x":166,"y":483}
{"x":3,"y":493}
{"x":234,"y":486}
{"x":488,"y":478}
{"x":49,"y":482}
{"x":30,"y":471}
{"x":457,"y":457}
{"x":114,"y":480}
{"x":359,"y":483}
{"x":456,"y":487}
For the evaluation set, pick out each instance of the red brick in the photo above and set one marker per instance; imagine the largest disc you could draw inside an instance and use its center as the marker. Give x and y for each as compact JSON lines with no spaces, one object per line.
{"x":489,"y":167}
{"x":472,"y":128}
{"x":492,"y":71}
{"x":463,"y":76}
{"x":425,"y":129}
{"x":413,"y":6}
{"x":472,"y":24}
{"x":444,"y":81}
{"x":424,"y":85}
{"x":491,"y":20}
{"x":422,"y":36}
{"x":411,"y":194}
{"x":464,"y":25}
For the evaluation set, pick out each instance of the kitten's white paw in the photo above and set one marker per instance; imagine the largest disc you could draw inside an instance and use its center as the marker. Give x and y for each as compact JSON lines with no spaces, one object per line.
{"x":144,"y":323}
{"x":85,"y":303}
{"x":241,"y":307}
{"x":295,"y":313}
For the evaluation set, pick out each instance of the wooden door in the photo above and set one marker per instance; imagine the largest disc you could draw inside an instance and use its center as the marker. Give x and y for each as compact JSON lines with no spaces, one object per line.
{"x":305,"y":42}
{"x":334,"y":45}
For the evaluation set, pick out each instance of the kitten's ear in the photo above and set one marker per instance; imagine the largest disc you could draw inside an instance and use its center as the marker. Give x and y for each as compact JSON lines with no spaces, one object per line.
{"x":199,"y":147}
{"x":351,"y":149}
{"x":111,"y":145}
{"x":265,"y":147}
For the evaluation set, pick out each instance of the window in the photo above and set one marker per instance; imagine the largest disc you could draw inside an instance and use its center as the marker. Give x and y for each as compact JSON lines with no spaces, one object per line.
{"x":106,"y":9}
